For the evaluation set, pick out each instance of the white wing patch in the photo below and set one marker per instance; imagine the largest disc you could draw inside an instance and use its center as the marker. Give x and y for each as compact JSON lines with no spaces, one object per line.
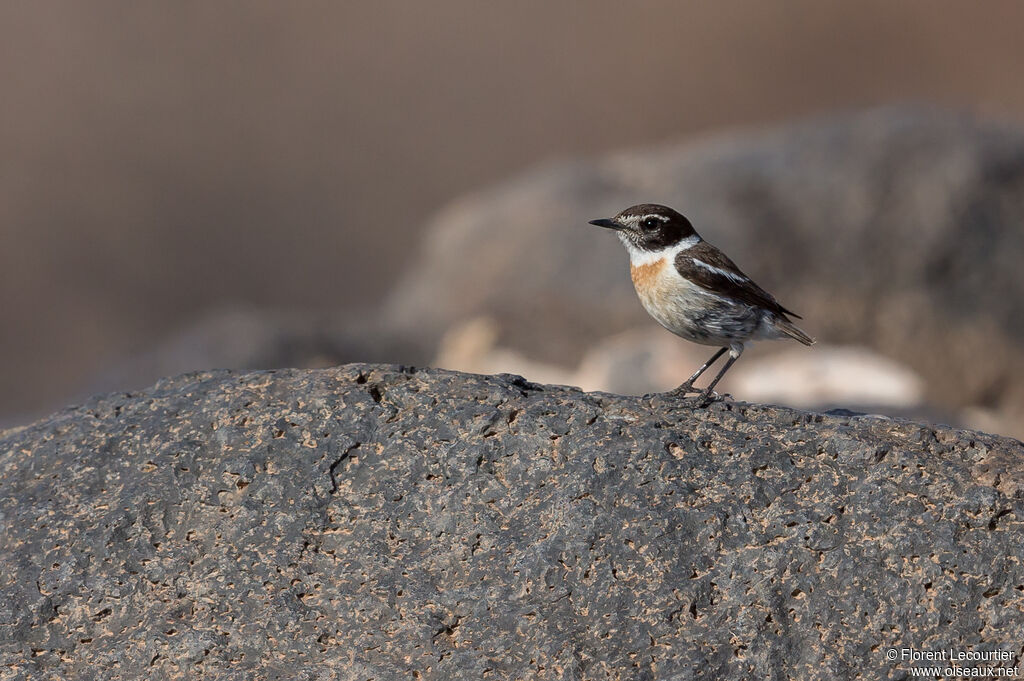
{"x":738,"y":278}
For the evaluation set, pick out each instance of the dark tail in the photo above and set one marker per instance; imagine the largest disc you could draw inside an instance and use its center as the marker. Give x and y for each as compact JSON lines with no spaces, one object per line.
{"x":790,"y":329}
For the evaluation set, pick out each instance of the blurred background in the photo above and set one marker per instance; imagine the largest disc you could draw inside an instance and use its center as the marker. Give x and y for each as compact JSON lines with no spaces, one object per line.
{"x":189,"y":185}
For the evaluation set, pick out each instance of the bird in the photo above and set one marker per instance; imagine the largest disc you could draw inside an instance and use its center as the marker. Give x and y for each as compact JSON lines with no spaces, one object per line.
{"x":695,"y":291}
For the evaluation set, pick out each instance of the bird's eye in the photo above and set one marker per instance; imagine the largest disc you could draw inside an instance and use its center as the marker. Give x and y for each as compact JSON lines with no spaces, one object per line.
{"x":650,"y":223}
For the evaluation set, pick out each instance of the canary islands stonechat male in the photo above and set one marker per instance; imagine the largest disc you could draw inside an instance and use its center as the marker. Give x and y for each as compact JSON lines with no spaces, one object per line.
{"x":694,"y":290}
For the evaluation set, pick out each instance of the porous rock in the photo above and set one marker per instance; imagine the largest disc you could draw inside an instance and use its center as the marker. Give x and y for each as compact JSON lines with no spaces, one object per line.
{"x":375,"y":522}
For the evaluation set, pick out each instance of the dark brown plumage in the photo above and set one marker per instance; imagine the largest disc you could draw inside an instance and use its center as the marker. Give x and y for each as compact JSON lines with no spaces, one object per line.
{"x":741,"y":287}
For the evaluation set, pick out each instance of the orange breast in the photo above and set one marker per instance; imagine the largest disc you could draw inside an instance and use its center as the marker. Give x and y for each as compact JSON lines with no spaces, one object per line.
{"x":648,"y":278}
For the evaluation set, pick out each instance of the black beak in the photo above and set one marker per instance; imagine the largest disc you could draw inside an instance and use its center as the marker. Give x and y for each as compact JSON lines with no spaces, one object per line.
{"x":605,"y":222}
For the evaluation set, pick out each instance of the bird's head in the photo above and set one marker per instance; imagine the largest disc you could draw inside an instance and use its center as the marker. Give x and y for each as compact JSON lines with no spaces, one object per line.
{"x":649,"y":227}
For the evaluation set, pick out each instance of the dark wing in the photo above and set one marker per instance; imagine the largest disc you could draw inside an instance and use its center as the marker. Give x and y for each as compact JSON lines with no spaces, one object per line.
{"x":709,"y":268}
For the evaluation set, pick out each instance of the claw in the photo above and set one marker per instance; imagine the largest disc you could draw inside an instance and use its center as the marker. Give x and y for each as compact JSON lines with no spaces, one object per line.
{"x":683,"y":389}
{"x":707,"y":397}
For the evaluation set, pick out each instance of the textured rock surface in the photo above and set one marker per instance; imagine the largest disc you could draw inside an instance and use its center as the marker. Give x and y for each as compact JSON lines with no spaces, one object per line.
{"x":367,"y":522}
{"x":896,"y":229}
{"x":247,"y":338}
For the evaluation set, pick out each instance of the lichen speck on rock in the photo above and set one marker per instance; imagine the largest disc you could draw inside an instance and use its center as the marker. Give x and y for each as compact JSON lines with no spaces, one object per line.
{"x":376,"y":522}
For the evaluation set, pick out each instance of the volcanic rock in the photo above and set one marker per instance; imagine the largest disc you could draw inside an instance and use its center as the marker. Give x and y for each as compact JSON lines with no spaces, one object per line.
{"x":378,"y":522}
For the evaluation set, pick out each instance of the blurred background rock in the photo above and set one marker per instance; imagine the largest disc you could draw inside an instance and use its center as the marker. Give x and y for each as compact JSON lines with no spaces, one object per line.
{"x":195,"y":185}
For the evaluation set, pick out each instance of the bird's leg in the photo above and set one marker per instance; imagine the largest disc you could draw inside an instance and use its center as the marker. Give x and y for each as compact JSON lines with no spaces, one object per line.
{"x":687,"y":385}
{"x":706,"y":396}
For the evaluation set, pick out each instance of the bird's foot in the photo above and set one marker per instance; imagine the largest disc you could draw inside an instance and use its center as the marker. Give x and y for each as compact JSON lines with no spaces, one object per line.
{"x":709,"y":396}
{"x":683,"y":390}
{"x":693,"y":396}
